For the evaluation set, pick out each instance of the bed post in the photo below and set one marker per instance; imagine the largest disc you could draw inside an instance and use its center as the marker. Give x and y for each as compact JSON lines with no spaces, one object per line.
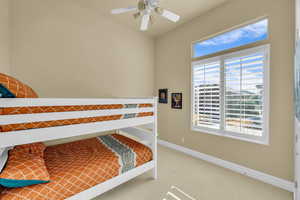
{"x":154,"y":142}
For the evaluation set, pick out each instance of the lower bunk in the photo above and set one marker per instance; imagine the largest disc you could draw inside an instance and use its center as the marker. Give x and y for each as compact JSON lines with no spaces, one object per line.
{"x":79,"y":169}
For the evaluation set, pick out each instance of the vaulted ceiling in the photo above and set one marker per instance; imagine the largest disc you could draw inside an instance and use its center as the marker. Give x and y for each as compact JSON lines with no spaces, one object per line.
{"x":187,"y":9}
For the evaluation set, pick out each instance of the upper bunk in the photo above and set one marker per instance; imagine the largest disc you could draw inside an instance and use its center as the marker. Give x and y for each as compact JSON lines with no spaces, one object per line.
{"x":30,"y":120}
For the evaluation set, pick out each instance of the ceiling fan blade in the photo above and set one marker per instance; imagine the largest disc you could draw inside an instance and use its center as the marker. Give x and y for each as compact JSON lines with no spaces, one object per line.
{"x":123,"y":10}
{"x":170,"y":15}
{"x":145,"y":22}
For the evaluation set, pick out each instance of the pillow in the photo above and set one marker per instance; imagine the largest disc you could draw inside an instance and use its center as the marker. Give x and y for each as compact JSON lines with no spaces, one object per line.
{"x":3,"y":158}
{"x":24,"y":170}
{"x":35,"y":148}
{"x":5,"y":93}
{"x":13,"y":88}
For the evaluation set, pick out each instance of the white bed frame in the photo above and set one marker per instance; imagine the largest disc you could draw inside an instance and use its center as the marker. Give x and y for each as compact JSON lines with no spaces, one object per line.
{"x":129,"y":126}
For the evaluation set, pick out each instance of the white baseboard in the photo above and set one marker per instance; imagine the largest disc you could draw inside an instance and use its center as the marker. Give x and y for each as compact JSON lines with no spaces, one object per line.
{"x":266,"y":178}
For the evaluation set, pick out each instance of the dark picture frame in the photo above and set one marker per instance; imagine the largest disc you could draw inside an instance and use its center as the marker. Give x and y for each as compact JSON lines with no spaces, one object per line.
{"x":176,"y":100}
{"x":163,"y":96}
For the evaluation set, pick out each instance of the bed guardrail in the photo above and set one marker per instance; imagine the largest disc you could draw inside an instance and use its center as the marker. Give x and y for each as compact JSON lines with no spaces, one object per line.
{"x":24,"y":121}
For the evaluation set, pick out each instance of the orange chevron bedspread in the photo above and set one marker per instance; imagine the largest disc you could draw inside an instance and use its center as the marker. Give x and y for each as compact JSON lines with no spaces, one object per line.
{"x":78,"y":166}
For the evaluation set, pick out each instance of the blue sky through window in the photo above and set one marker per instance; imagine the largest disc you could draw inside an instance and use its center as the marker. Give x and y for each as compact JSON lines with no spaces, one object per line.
{"x":235,"y":38}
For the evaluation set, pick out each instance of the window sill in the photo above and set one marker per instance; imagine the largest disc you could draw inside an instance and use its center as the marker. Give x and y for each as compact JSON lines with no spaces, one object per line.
{"x":263,"y":141}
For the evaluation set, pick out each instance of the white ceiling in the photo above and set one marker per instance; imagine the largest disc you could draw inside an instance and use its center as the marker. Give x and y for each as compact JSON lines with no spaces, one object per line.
{"x":187,"y":9}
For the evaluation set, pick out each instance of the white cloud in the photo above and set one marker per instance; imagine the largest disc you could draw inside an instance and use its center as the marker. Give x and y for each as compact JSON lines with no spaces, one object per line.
{"x":254,"y":30}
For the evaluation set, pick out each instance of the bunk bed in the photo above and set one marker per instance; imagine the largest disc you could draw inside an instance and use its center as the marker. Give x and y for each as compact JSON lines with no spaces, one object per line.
{"x":33,"y":120}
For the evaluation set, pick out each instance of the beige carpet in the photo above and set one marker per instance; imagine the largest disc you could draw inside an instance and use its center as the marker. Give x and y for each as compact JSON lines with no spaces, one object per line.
{"x":198,"y":179}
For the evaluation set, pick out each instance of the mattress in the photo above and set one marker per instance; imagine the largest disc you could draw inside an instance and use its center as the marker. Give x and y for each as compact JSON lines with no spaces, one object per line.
{"x":66,"y":122}
{"x":78,"y":166}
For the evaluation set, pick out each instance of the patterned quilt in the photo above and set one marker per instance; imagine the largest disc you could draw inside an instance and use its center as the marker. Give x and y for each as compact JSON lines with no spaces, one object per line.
{"x":77,"y":166}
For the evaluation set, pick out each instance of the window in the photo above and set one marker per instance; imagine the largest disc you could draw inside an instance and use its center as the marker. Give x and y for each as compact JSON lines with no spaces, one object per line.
{"x":207,"y":94}
{"x":238,"y":37}
{"x":230,"y":95}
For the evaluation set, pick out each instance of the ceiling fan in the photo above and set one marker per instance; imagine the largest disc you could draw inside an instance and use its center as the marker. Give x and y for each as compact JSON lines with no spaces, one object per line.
{"x":145,"y":9}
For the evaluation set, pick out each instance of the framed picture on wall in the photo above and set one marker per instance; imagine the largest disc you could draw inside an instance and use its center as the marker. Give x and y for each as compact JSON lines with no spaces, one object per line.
{"x":177,"y":100}
{"x":163,"y":96}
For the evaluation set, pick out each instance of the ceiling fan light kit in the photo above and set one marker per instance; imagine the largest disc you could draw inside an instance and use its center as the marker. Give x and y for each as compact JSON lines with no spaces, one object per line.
{"x":145,"y":9}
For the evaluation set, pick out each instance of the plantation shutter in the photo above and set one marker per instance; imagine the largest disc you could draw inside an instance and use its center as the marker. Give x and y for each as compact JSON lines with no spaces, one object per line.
{"x":206,"y":86}
{"x":244,"y":91}
{"x":230,"y":95}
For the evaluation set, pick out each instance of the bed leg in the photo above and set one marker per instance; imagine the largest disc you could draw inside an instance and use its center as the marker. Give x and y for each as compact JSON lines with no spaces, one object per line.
{"x":154,"y":173}
{"x":154,"y":142}
{"x":154,"y":149}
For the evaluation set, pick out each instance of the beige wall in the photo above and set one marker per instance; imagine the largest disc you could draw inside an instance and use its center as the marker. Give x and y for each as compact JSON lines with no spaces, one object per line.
{"x":4,"y":36}
{"x":64,"y":49}
{"x":173,"y":53}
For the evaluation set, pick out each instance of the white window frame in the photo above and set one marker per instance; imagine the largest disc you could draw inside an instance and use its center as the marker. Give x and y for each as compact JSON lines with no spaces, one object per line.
{"x":264,"y":139}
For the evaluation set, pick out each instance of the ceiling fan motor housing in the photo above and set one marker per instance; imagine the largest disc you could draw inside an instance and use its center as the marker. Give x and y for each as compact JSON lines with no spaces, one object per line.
{"x":142,"y":5}
{"x":147,"y":5}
